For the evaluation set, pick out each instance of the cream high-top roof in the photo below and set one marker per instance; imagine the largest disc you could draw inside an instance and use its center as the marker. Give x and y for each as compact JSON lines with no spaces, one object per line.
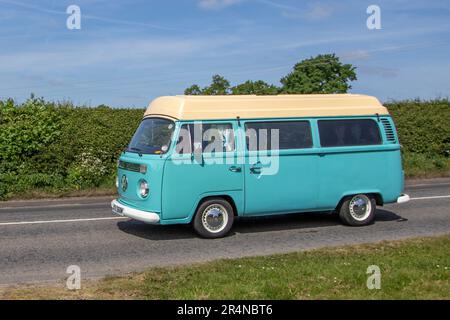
{"x":256,"y":107}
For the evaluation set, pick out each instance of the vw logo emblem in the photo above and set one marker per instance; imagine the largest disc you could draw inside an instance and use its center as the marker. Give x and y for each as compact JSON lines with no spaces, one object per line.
{"x":124,"y":183}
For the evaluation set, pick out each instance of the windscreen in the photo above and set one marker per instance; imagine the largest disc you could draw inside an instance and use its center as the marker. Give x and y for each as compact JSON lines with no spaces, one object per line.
{"x":152,"y":137}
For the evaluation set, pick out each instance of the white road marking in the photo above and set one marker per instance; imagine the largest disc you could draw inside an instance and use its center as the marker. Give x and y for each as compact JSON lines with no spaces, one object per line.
{"x":427,"y":185}
{"x":122,"y":218}
{"x":65,"y":205}
{"x":434,"y":197}
{"x":59,"y":221}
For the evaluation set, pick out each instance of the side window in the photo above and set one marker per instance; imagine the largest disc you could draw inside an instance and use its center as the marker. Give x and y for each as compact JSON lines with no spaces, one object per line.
{"x":217,"y":137}
{"x":290,"y":135}
{"x":184,"y":143}
{"x":357,"y":132}
{"x":212,"y":137}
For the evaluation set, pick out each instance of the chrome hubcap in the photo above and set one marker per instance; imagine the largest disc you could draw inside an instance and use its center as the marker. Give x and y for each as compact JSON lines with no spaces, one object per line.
{"x":215,"y":218}
{"x":360,"y":207}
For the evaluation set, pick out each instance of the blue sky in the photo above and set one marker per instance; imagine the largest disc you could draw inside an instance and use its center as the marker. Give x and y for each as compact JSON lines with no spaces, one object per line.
{"x":131,"y":51}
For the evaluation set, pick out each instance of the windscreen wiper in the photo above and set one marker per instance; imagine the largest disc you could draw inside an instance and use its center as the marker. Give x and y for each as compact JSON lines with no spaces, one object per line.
{"x":138,"y":150}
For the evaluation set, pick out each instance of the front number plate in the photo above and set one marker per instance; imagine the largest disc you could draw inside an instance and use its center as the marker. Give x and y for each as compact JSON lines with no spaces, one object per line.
{"x":117,"y":209}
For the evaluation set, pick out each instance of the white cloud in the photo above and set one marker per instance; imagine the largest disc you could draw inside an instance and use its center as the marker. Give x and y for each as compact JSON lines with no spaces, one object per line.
{"x":278,"y":5}
{"x":41,"y":9}
{"x":319,"y":11}
{"x":121,"y":52}
{"x":313,"y":12}
{"x":356,"y":55}
{"x":217,"y":4}
{"x":379,"y":71}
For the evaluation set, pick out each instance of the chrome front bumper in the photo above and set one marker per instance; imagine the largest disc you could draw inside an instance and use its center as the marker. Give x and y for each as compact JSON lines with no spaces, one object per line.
{"x":124,"y":211}
{"x":403,"y":198}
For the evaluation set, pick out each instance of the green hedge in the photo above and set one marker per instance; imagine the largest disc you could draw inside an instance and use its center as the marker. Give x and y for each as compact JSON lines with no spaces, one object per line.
{"x":57,"y":147}
{"x":424,"y":132}
{"x":423,"y":127}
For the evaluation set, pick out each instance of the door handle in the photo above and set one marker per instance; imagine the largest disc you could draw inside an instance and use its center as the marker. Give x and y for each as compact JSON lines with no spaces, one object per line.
{"x":256,"y":168}
{"x":235,"y":169}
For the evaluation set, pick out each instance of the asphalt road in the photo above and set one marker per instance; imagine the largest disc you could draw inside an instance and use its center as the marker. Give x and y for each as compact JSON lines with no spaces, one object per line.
{"x":40,"y":239}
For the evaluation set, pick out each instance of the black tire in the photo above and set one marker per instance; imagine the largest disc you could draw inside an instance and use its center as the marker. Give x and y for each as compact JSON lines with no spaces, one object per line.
{"x":213,"y":206}
{"x":348,"y":212}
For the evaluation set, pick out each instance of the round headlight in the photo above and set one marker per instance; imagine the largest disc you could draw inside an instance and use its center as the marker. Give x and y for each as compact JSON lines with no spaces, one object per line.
{"x":143,"y":188}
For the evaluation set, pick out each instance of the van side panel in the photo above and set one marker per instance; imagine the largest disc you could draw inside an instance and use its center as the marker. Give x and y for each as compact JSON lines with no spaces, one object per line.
{"x":185,"y":185}
{"x":346,"y":171}
{"x":292,"y":188}
{"x":337,"y":172}
{"x":186,"y":182}
{"x":343,"y":174}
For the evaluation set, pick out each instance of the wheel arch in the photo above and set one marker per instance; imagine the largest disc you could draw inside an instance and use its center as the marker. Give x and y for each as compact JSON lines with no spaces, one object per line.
{"x":375,"y":195}
{"x":225,"y":197}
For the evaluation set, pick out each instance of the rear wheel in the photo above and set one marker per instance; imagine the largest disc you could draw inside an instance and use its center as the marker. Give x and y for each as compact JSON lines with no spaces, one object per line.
{"x":358,"y":210}
{"x":214,"y":218}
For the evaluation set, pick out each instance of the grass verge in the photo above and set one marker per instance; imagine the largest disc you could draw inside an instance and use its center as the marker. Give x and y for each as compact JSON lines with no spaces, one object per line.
{"x":35,"y":194}
{"x":422,"y":166}
{"x":416,"y":168}
{"x":410,"y":269}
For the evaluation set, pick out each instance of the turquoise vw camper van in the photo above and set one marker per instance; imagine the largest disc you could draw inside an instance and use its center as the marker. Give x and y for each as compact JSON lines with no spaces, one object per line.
{"x":206,"y":160}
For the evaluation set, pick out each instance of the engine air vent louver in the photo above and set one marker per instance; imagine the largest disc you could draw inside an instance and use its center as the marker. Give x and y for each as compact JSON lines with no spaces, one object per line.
{"x":390,"y":134}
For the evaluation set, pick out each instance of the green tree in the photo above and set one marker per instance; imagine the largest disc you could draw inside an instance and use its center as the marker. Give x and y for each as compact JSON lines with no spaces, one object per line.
{"x":255,"y":87}
{"x":193,"y":90}
{"x":320,"y":74}
{"x":218,"y":86}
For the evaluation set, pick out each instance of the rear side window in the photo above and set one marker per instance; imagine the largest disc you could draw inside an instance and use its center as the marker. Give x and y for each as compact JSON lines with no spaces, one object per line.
{"x":355,"y":132}
{"x":290,"y":135}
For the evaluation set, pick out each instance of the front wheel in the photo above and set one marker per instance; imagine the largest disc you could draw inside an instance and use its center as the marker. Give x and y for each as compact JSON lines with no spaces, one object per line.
{"x":358,"y":210}
{"x":214,"y":218}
